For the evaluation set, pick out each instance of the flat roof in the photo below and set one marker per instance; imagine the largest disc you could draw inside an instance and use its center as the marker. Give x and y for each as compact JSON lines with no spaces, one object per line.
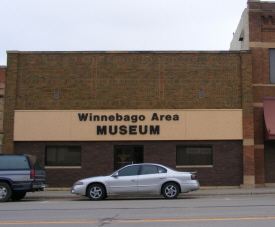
{"x":126,"y":52}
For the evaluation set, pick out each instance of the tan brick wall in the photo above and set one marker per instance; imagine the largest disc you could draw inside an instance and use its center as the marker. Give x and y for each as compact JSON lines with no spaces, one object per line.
{"x":130,"y":80}
{"x":126,"y":80}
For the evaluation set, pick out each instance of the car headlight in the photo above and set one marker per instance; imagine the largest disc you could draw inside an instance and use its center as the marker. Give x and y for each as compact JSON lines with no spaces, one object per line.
{"x":78,"y":183}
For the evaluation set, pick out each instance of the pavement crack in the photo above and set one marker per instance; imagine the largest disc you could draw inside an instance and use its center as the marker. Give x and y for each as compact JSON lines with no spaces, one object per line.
{"x":105,"y":221}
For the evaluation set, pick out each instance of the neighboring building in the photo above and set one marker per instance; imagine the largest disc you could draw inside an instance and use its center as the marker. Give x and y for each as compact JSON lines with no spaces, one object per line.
{"x":2,"y":91}
{"x":256,"y":32}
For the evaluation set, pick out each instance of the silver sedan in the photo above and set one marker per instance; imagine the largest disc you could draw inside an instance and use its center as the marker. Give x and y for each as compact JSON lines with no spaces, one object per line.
{"x":138,"y":179}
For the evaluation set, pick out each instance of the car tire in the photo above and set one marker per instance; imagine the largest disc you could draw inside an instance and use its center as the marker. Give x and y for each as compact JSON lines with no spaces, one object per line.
{"x":5,"y":192}
{"x":96,"y":192}
{"x":170,"y":191}
{"x":17,"y":195}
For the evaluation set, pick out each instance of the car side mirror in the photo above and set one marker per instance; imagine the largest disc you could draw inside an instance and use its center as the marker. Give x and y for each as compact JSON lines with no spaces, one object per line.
{"x":115,"y":174}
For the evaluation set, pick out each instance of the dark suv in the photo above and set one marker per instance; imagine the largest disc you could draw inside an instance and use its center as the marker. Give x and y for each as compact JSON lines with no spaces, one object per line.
{"x":20,"y":174}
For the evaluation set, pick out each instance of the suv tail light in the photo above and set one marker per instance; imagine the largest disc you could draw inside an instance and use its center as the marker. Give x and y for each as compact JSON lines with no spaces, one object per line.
{"x":32,"y":174}
{"x":193,"y":177}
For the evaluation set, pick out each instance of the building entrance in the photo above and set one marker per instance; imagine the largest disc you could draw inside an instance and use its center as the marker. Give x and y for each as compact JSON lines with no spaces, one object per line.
{"x":269,"y":159}
{"x":125,"y":155}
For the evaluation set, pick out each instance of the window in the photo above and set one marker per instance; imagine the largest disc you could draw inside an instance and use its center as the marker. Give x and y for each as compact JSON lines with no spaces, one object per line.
{"x":14,"y":162}
{"x":194,"y":156}
{"x":36,"y":163}
{"x":201,"y":93}
{"x":272,"y":65}
{"x":63,"y":156}
{"x":56,"y":94}
{"x":152,"y":169}
{"x":129,"y":171}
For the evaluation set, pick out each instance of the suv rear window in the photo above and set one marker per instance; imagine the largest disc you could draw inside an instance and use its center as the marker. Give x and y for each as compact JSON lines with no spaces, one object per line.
{"x":36,"y":163}
{"x":14,"y":162}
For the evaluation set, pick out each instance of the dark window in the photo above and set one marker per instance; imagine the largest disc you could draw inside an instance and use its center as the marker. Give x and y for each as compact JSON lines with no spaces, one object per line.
{"x":152,"y":169}
{"x":272,"y":65}
{"x":201,"y":93}
{"x":56,"y":94}
{"x":14,"y":162}
{"x":63,"y":156}
{"x":125,"y":155}
{"x":192,"y":156}
{"x":129,"y":171}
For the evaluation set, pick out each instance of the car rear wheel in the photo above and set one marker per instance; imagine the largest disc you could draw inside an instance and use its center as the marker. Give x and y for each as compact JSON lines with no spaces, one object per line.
{"x":170,"y":191}
{"x":96,"y":192}
{"x":16,"y":196}
{"x":5,"y":192}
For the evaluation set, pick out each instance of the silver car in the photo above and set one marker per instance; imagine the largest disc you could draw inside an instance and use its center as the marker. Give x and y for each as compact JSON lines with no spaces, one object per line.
{"x":138,"y":179}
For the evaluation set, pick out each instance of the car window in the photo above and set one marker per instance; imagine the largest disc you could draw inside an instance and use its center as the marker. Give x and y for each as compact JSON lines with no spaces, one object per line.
{"x":14,"y":162}
{"x":37,"y":164}
{"x":152,"y":169}
{"x":129,"y":171}
{"x":162,"y":170}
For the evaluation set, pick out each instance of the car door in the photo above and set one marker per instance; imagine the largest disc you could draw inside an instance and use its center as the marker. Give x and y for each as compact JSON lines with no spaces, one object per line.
{"x":150,"y":179}
{"x":125,"y":182}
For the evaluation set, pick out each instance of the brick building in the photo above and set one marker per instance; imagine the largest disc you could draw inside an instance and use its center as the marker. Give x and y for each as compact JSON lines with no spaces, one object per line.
{"x":88,"y":113}
{"x":256,"y":32}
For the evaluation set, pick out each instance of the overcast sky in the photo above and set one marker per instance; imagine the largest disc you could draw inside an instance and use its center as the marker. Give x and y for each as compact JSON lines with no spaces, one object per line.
{"x":123,"y":25}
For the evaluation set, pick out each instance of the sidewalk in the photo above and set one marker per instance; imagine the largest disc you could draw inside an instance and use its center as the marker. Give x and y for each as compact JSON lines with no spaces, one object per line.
{"x":66,"y":194}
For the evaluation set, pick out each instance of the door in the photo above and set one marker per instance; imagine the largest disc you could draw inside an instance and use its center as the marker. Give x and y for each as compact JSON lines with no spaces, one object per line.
{"x":269,"y":161}
{"x":125,"y":182}
{"x":125,"y":155}
{"x":150,"y":179}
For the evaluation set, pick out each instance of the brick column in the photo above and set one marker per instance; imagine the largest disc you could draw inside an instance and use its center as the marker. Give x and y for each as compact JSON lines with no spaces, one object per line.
{"x":2,"y":93}
{"x":10,"y":101}
{"x":248,"y":122}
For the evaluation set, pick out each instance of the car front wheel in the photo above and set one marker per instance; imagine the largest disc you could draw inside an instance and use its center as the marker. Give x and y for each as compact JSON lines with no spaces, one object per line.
{"x":96,"y":192}
{"x":5,"y":192}
{"x":170,"y":191}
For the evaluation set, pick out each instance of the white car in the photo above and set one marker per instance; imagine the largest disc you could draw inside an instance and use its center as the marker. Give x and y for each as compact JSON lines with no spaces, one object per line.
{"x":138,"y":179}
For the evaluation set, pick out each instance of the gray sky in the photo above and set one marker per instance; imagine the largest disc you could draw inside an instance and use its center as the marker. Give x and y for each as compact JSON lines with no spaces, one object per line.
{"x":123,"y":25}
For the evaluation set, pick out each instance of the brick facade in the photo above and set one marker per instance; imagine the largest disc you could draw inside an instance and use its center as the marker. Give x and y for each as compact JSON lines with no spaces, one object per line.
{"x":161,"y":80}
{"x":134,"y":80}
{"x":98,"y":159}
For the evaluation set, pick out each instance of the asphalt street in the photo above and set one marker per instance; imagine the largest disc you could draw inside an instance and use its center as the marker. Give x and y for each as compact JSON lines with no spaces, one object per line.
{"x":213,"y":208}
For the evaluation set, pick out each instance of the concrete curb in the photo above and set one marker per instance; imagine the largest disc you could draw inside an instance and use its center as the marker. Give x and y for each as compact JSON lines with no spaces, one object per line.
{"x":66,"y":194}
